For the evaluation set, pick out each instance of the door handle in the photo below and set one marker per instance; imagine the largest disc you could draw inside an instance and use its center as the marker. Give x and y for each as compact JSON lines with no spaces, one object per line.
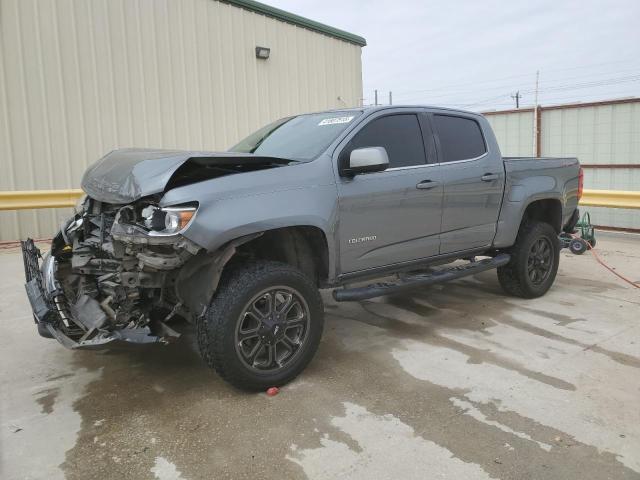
{"x":489,"y":177}
{"x":427,"y":185}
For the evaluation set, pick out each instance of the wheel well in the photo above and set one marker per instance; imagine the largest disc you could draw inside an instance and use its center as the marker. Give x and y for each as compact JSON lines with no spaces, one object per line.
{"x":548,"y":210}
{"x":303,"y":247}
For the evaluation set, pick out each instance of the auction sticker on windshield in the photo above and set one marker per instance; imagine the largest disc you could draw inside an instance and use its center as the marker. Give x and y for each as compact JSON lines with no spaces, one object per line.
{"x":335,"y":120}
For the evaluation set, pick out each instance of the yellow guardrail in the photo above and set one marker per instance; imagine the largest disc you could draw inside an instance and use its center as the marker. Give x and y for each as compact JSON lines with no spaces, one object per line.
{"x":610,"y":199}
{"x":20,"y":200}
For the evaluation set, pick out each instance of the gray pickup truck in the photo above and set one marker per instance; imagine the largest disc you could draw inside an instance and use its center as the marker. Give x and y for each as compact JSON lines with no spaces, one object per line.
{"x":240,"y":242}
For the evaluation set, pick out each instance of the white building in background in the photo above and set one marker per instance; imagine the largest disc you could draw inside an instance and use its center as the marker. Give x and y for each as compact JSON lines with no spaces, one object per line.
{"x":78,"y":79}
{"x":605,"y":136}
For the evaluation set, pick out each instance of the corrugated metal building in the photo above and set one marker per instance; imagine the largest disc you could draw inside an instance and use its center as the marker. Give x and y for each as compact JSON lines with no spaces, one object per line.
{"x":80,"y":78}
{"x":605,"y":136}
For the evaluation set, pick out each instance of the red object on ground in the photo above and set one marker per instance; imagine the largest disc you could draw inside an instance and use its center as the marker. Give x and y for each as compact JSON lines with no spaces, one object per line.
{"x":272,"y":391}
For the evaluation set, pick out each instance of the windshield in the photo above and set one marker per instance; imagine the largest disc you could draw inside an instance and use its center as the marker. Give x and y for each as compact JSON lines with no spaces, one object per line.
{"x":301,"y":138}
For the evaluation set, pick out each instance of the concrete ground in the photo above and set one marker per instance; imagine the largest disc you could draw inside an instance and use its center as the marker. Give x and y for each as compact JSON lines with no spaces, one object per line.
{"x":454,"y":381}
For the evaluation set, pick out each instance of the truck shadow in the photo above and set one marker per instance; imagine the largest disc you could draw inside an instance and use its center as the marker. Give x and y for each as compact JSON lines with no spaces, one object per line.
{"x":153,"y":400}
{"x":470,"y":306}
{"x":162,"y":401}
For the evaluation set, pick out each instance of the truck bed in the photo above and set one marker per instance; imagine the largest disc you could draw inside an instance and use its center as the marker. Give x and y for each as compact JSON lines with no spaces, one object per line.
{"x":563,"y":161}
{"x":532,"y":178}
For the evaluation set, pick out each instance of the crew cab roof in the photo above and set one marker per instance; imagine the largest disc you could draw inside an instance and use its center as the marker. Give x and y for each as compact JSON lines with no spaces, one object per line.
{"x":373,"y":108}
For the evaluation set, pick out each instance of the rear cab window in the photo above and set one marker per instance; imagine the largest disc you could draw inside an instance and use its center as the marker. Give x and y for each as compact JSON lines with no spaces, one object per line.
{"x":399,"y":134}
{"x":460,"y":138}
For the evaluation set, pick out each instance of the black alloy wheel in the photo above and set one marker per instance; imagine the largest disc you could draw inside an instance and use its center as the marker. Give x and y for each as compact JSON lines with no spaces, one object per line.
{"x":540,"y":259}
{"x":272,"y":329}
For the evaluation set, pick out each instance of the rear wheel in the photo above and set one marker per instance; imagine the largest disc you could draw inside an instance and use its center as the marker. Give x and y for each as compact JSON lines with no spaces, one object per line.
{"x":263,"y":325}
{"x":534,"y":261}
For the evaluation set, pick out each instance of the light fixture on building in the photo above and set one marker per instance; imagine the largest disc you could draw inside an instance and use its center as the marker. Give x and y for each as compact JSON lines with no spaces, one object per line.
{"x":262,"y":52}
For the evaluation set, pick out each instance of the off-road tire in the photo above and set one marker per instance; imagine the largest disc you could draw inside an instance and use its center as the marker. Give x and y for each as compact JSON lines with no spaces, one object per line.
{"x":514,"y":277}
{"x":216,"y":329}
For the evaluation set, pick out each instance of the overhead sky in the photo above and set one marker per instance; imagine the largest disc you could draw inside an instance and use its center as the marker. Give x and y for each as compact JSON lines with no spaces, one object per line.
{"x":476,"y":54}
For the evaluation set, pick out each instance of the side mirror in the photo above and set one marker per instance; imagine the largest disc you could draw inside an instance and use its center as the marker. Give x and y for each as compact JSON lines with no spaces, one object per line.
{"x":365,"y":160}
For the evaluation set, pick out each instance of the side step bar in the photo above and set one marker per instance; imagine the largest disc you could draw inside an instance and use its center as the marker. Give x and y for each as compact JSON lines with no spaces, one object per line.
{"x":419,"y":280}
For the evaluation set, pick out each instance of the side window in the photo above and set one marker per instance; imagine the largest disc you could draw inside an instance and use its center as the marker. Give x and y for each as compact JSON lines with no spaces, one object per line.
{"x":400,"y":135}
{"x":460,"y":138}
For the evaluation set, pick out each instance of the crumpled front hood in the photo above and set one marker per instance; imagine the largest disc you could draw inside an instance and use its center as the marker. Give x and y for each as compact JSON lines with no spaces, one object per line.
{"x":125,"y":175}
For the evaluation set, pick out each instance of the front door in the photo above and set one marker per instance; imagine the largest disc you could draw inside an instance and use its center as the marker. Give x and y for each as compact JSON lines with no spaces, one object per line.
{"x":392,"y":216}
{"x":473,"y":183}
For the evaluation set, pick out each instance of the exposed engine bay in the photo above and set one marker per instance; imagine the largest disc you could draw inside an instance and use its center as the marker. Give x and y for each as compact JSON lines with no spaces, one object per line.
{"x":111,"y":273}
{"x":120,"y":268}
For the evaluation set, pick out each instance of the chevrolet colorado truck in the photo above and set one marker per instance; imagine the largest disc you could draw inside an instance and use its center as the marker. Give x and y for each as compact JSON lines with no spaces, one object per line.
{"x":240,"y":242}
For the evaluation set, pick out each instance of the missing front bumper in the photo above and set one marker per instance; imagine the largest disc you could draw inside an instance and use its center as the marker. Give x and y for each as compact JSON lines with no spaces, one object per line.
{"x":78,"y":326}
{"x":40,"y":305}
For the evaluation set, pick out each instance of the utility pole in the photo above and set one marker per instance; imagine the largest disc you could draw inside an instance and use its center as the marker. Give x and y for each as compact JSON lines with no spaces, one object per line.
{"x":537,"y":84}
{"x":536,"y":114}
{"x":390,"y":98}
{"x":517,"y":98}
{"x":376,"y":97}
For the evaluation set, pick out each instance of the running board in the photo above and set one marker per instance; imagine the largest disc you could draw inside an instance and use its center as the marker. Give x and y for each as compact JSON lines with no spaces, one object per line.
{"x":419,"y":280}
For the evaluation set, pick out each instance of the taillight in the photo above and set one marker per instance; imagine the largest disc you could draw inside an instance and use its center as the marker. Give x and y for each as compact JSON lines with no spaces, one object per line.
{"x":580,"y":183}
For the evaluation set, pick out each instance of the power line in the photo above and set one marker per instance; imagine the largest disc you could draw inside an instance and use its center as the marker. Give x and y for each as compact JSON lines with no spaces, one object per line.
{"x":511,"y":86}
{"x":483,"y":101}
{"x":548,"y":89}
{"x":530,"y":75}
{"x":598,"y":83}
{"x":554,"y":88}
{"x":580,"y":98}
{"x":547,"y":101}
{"x":557,"y":100}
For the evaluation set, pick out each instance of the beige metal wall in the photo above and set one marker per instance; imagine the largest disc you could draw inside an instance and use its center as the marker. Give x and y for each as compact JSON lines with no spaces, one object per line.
{"x":606,"y":134}
{"x":514,"y":133}
{"x":80,"y":78}
{"x":599,"y":135}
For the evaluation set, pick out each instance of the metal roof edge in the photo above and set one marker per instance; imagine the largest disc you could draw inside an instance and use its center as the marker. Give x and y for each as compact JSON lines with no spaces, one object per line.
{"x":560,"y":106}
{"x":511,"y":110}
{"x":288,"y":17}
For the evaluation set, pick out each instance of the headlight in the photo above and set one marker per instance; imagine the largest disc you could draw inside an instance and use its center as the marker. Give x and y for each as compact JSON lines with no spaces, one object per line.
{"x":177,"y":219}
{"x":168,"y":220}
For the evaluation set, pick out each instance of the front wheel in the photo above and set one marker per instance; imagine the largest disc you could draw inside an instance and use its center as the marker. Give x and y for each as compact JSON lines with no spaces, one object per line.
{"x":263,"y":325}
{"x":534,"y":261}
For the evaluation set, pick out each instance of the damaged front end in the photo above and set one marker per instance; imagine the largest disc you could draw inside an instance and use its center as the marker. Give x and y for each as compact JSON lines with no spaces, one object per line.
{"x":111,"y":274}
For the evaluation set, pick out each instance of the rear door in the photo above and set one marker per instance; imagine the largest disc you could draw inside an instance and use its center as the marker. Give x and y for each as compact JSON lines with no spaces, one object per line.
{"x":473,"y":179}
{"x":392,"y":216}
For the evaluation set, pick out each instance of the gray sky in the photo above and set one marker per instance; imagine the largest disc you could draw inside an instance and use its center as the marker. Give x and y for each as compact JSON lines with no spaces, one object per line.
{"x":475,"y":54}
